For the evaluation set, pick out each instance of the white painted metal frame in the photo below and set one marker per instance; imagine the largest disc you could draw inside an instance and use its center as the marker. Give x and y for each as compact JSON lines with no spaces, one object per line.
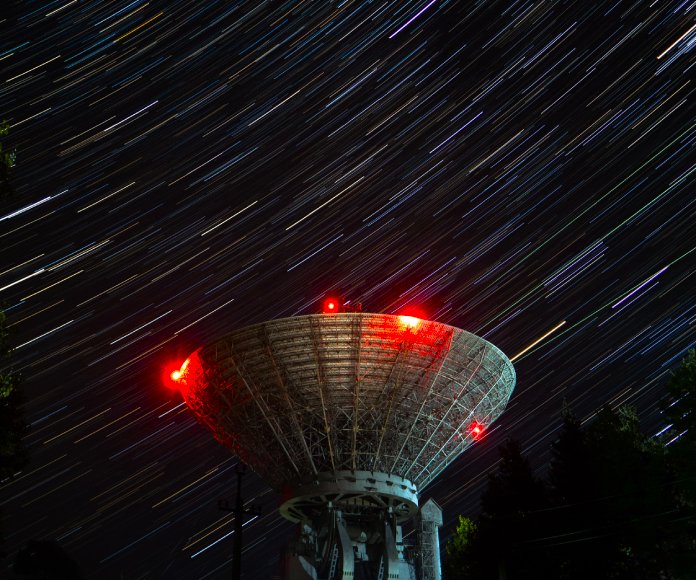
{"x":309,"y":395}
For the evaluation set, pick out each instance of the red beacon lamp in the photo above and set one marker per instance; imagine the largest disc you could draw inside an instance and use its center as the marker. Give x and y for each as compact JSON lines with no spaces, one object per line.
{"x":411,"y":318}
{"x":410,"y":322}
{"x":174,"y":376}
{"x":334,"y":305}
{"x":476,"y":430}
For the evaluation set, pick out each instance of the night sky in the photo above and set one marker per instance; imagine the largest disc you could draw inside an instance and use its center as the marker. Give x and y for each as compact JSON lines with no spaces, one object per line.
{"x":186,"y":168}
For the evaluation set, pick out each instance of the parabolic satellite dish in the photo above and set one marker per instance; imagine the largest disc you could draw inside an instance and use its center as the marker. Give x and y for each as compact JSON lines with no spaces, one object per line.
{"x":349,"y":416}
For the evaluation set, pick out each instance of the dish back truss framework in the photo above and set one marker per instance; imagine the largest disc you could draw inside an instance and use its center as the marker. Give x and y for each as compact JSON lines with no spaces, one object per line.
{"x":349,"y":416}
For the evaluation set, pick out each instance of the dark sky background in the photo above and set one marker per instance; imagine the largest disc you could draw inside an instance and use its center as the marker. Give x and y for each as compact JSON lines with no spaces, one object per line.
{"x":186,"y":168}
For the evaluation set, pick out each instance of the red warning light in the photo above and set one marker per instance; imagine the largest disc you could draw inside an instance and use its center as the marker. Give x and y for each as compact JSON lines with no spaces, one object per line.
{"x":331,"y":306}
{"x":409,"y":321}
{"x":410,"y":318}
{"x":174,"y":374}
{"x":476,"y":430}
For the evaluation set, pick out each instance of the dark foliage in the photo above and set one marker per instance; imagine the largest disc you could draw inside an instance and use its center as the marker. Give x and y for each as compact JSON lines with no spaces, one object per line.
{"x":503,"y":542}
{"x":45,"y":560}
{"x":12,"y":427}
{"x":618,"y":504}
{"x":615,"y":503}
{"x":7,"y":161}
{"x":463,"y":552}
{"x":511,"y":516}
{"x":12,"y":452}
{"x":680,"y":408}
{"x":680,"y":440}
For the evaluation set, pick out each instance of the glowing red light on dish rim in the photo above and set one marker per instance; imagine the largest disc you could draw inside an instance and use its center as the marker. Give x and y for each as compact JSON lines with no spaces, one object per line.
{"x":476,"y":430}
{"x":411,"y":317}
{"x":176,"y":376}
{"x":330,"y":306}
{"x":409,"y":321}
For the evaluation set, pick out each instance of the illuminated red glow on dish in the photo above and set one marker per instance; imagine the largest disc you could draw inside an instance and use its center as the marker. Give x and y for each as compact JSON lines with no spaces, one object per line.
{"x":174,"y":376}
{"x":411,"y":318}
{"x":409,"y":321}
{"x":476,"y":430}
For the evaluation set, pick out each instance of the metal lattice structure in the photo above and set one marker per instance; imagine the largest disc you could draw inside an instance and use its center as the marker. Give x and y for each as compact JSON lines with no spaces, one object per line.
{"x":354,"y":411}
{"x":427,"y":523}
{"x":349,"y":392}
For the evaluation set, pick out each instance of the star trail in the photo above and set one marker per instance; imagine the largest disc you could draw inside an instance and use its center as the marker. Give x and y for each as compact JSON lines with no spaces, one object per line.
{"x":523,"y":170}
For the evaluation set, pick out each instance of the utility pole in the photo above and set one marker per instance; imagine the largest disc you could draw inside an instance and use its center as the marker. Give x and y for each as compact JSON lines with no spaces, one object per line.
{"x":239,"y":512}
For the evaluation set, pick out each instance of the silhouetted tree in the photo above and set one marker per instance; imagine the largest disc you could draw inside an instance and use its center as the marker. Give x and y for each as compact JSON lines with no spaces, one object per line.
{"x":614,"y":490}
{"x":463,"y":557}
{"x":612,"y":510}
{"x":511,"y":521}
{"x":12,"y":453}
{"x":570,"y":466}
{"x":574,"y":489}
{"x":680,"y":440}
{"x":45,"y":560}
{"x":503,"y":543}
{"x":7,"y":161}
{"x":680,"y":408}
{"x":12,"y":428}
